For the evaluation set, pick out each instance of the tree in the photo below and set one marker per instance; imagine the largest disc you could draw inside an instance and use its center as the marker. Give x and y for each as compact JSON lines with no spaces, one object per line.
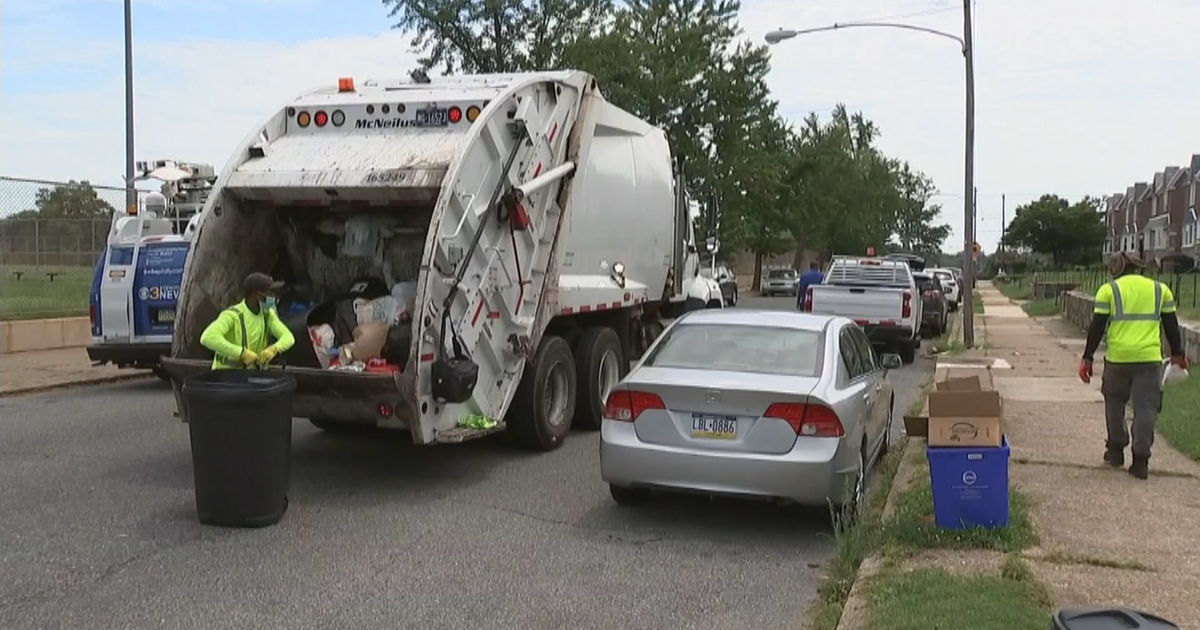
{"x":917,"y":228}
{"x":67,"y":225}
{"x":497,"y":35}
{"x":1068,"y":233}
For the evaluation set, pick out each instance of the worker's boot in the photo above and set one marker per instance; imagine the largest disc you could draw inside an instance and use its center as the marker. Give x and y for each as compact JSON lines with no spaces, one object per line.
{"x":1114,"y":457}
{"x":1140,"y":467}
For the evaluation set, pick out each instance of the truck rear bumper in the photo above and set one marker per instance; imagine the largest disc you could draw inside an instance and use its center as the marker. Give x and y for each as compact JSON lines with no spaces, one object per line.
{"x":888,"y":334}
{"x":136,"y":355}
{"x":343,"y":396}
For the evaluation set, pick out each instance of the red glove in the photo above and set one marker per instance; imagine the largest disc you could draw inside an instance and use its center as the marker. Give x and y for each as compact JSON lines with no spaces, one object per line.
{"x":1085,"y":371}
{"x":1180,"y":362}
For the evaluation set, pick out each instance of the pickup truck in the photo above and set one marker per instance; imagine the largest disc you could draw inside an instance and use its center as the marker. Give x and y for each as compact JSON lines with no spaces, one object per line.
{"x":879,"y":295}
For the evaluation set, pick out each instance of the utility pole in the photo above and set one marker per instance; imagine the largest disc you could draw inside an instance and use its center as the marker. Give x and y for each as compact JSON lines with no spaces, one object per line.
{"x":130,"y":191}
{"x":1003,"y":223}
{"x":968,"y":320}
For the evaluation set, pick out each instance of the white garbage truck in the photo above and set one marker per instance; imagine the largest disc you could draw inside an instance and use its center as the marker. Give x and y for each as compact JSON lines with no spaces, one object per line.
{"x":520,"y":239}
{"x":136,"y":283}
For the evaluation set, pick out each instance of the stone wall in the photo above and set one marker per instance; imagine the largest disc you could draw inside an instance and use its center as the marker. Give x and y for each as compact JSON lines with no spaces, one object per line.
{"x":1076,"y":307}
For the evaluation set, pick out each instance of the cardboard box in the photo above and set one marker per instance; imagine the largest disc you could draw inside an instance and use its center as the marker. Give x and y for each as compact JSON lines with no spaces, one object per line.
{"x":960,"y":414}
{"x":969,"y":384}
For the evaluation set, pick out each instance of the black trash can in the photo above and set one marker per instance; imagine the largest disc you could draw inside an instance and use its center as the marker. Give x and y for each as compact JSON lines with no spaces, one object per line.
{"x":1109,"y":619}
{"x":241,"y":428}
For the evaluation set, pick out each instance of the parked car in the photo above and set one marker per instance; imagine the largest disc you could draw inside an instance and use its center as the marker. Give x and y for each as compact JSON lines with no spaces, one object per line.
{"x":728,"y":281}
{"x":935,"y":314}
{"x":781,"y":282}
{"x":770,"y":404}
{"x":877,"y":294}
{"x":950,"y":286}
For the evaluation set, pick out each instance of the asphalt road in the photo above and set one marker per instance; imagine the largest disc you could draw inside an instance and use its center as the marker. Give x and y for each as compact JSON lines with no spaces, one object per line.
{"x":98,"y":530}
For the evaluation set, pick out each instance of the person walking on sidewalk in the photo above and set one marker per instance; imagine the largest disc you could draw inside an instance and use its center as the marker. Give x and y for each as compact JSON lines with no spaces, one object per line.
{"x":1136,"y":311}
{"x":239,"y":336}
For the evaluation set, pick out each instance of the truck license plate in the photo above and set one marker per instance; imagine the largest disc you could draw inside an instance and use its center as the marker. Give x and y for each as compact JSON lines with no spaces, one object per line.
{"x":432,"y":117}
{"x":166,"y":316}
{"x":714,"y":427}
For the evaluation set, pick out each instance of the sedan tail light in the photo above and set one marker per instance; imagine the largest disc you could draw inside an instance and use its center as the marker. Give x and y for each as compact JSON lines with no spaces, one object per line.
{"x":809,"y":420}
{"x":808,"y":300}
{"x":907,"y":307}
{"x":626,"y":406}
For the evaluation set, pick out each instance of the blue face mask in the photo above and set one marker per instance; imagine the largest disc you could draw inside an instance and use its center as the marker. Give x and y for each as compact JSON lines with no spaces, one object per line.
{"x":269,"y":302}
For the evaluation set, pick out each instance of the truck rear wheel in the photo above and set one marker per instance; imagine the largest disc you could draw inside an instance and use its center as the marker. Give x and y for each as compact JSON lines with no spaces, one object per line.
{"x":908,"y":350}
{"x":599,"y":364}
{"x":541,"y":412}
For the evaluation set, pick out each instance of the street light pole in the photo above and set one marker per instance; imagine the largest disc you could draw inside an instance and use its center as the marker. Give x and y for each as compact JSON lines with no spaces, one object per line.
{"x":968,"y":318}
{"x":774,"y":37}
{"x":130,"y":190}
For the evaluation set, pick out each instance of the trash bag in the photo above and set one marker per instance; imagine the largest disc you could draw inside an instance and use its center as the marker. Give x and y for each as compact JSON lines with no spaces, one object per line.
{"x":367,"y":288}
{"x":368,"y":341}
{"x":1173,"y":373}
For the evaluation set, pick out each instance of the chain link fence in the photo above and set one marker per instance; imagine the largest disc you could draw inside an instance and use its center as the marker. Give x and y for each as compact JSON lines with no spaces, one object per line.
{"x":51,"y":236}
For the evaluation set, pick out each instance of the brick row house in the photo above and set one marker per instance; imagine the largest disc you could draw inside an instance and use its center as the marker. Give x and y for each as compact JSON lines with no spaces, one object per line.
{"x":1157,"y":218}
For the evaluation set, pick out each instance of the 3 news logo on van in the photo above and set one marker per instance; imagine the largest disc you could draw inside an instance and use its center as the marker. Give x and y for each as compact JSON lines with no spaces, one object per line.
{"x":158,"y":293}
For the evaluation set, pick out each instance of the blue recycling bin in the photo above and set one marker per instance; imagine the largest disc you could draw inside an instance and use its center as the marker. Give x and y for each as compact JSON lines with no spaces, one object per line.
{"x":970,"y":485}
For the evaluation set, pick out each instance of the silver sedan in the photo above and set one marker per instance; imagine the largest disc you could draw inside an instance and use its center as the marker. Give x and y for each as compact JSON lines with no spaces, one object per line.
{"x":767,"y":404}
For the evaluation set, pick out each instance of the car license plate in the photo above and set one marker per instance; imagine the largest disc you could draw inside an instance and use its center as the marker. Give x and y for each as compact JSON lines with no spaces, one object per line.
{"x":432,"y":117}
{"x":714,"y":427}
{"x":166,"y":316}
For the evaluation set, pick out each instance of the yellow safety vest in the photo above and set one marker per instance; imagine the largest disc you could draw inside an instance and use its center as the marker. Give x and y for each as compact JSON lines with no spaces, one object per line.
{"x":1134,"y":305}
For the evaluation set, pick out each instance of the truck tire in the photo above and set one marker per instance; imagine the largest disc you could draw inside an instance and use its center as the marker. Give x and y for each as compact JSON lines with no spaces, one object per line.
{"x":908,"y":351}
{"x":599,"y":364}
{"x":540,"y":415}
{"x":161,"y":374}
{"x":734,"y":298}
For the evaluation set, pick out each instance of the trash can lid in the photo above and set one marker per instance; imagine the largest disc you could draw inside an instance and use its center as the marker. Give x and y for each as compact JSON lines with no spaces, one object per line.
{"x":1109,"y":619}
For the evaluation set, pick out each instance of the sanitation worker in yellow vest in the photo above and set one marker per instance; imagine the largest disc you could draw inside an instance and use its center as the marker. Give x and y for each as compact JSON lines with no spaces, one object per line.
{"x":1137,"y":312}
{"x":240,"y":336}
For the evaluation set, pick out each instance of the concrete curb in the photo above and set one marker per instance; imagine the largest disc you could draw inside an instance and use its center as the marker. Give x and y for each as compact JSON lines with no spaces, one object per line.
{"x":854,"y":611}
{"x":88,"y":382}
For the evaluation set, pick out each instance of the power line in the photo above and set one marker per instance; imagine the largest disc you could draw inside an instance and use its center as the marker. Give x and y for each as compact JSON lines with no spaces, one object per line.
{"x":904,"y":16}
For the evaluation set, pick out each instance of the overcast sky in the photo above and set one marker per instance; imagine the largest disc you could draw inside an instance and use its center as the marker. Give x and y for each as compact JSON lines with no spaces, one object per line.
{"x":1074,"y":97}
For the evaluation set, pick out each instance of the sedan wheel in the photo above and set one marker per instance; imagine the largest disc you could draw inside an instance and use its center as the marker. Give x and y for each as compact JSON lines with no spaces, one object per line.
{"x":851,"y":507}
{"x":628,"y":496}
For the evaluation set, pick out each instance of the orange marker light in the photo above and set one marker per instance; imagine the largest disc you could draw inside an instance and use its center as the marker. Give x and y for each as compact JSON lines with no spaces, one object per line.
{"x":303,"y":118}
{"x":345,"y":84}
{"x":472,"y":113}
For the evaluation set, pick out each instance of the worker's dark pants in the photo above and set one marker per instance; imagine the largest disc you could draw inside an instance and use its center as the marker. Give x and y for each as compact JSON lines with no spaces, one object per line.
{"x":1140,"y":382}
{"x":693,"y":304}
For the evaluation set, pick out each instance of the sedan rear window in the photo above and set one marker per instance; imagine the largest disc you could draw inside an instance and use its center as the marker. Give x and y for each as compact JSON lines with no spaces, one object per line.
{"x":740,"y":348}
{"x":781,"y":274}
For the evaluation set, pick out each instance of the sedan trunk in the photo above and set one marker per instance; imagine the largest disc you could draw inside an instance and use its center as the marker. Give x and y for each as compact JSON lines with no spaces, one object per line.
{"x":718,"y":410}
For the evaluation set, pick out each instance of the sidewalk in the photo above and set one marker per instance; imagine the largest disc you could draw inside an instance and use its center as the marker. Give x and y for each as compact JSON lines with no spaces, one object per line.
{"x":1081,"y":534}
{"x":29,"y":372}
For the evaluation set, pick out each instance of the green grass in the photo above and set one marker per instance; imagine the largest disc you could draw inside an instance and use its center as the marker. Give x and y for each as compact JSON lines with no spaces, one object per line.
{"x":932,"y":598}
{"x":858,"y":540}
{"x":1041,"y":308}
{"x":1178,"y":421}
{"x":35,"y":295}
{"x":1015,"y":287}
{"x":912,"y":527}
{"x":977,"y":301}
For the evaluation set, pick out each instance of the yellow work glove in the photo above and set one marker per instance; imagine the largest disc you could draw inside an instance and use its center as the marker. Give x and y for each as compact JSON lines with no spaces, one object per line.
{"x":249,"y":357}
{"x":267,"y":355}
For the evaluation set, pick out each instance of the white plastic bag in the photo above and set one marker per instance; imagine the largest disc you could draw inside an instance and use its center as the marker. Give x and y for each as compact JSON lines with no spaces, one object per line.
{"x":1172,"y":373}
{"x":406,"y":294}
{"x":386,"y":309}
{"x":322,"y":341}
{"x":362,"y":237}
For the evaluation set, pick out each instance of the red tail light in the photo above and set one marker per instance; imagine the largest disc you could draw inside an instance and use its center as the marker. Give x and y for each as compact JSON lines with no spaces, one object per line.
{"x":92,"y":314}
{"x":626,"y":406}
{"x":454,"y":114}
{"x":808,"y":300}
{"x":906,"y":310}
{"x":385,"y":410}
{"x":807,"y":420}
